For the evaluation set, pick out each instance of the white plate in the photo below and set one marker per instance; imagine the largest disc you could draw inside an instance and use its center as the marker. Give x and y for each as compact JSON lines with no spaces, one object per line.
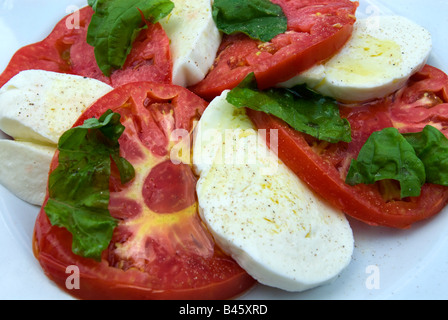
{"x":410,"y":264}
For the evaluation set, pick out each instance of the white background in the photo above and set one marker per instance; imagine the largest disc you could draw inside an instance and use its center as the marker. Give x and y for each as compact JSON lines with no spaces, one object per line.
{"x":412,"y":263}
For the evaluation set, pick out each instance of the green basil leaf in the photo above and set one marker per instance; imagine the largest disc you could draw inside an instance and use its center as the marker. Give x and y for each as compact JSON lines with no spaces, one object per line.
{"x":79,"y":186}
{"x":388,"y":156}
{"x":259,"y":19}
{"x":93,"y":4}
{"x":304,"y":110}
{"x":431,"y":146}
{"x":115,"y":26}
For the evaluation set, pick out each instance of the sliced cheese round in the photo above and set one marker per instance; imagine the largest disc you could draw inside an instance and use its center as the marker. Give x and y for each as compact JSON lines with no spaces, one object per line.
{"x":383,"y":52}
{"x":258,"y":211}
{"x":194,"y":40}
{"x":38,"y":105}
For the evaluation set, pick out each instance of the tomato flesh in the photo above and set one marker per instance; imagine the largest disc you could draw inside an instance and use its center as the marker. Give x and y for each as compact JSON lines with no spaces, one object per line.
{"x":169,"y":188}
{"x":160,"y":248}
{"x":316,"y":31}
{"x":324,"y":166}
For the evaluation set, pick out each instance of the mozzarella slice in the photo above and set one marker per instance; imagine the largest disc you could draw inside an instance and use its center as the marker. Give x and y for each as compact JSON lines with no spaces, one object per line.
{"x":36,"y":108}
{"x":24,"y":169}
{"x":258,"y":211}
{"x":383,"y":52}
{"x":194,"y":40}
{"x":38,"y":105}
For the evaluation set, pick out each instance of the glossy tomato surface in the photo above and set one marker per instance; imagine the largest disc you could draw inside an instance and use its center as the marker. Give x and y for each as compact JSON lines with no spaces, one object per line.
{"x":324,"y":166}
{"x":160,"y":249}
{"x":66,"y":50}
{"x":316,"y":31}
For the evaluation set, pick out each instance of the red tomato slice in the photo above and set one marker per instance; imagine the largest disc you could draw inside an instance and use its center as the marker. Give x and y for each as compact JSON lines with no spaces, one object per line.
{"x":160,"y":249}
{"x":324,"y":166}
{"x":317,"y":29}
{"x":65,"y":50}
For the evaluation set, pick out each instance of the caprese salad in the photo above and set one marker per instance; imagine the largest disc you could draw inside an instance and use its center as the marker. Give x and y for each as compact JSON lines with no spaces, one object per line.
{"x":190,"y":149}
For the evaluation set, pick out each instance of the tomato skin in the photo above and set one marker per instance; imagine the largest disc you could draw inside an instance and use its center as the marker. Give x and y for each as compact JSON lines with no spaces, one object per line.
{"x":98,"y":281}
{"x":152,"y":255}
{"x":65,"y":50}
{"x":325,"y":171}
{"x":270,"y":75}
{"x":316,"y":31}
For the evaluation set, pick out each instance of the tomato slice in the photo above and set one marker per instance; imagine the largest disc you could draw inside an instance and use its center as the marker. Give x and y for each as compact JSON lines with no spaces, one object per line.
{"x":316,"y":31}
{"x":324,"y":166}
{"x":66,"y":50}
{"x":160,"y":249}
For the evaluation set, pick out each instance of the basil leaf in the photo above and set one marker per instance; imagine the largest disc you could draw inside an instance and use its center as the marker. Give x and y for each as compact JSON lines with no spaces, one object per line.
{"x":387,"y":155}
{"x":303,"y":109}
{"x":79,"y":186}
{"x":259,"y":19}
{"x":431,"y":146}
{"x":115,"y":26}
{"x":93,"y":4}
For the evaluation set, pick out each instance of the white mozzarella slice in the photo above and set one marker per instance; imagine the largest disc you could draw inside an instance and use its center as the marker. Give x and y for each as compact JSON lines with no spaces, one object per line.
{"x":258,"y":211}
{"x":194,"y":40}
{"x":36,"y":108}
{"x":383,"y":52}
{"x":24,"y":169}
{"x":38,"y":105}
